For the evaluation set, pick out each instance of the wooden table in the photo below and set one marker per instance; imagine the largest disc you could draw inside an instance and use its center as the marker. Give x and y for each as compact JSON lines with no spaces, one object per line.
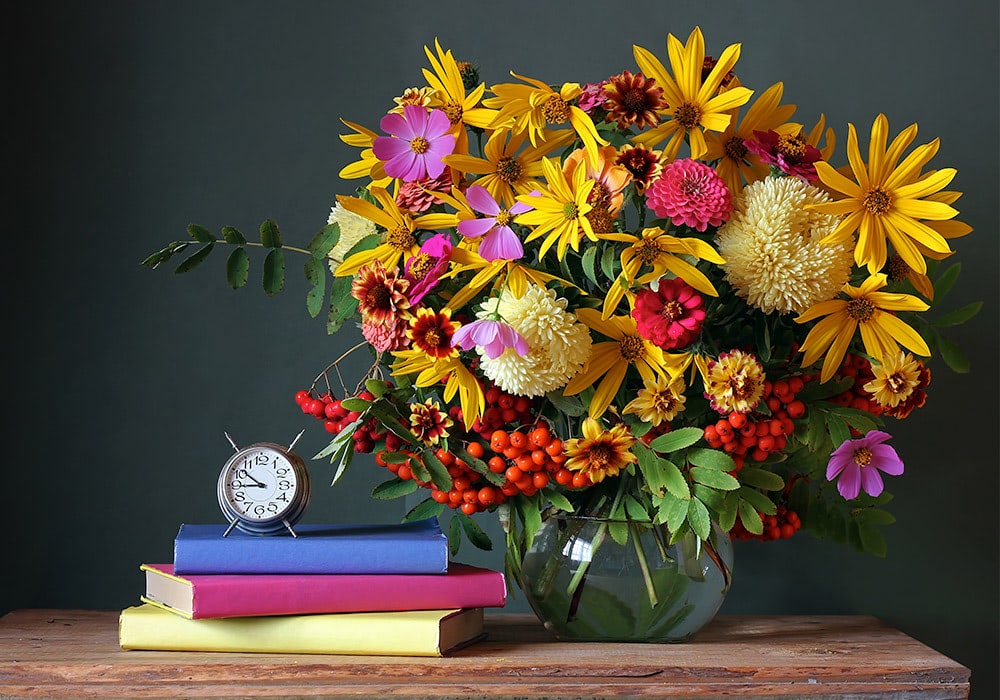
{"x":72,"y":653}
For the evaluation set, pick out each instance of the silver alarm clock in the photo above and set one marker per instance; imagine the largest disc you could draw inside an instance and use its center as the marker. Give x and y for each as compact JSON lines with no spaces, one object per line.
{"x":264,"y":488}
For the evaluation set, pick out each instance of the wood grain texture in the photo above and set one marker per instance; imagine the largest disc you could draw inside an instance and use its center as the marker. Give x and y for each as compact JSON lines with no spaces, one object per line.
{"x":72,"y":653}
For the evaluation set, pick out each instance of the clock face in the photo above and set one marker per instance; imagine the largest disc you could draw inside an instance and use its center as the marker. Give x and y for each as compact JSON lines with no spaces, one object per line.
{"x":260,"y":484}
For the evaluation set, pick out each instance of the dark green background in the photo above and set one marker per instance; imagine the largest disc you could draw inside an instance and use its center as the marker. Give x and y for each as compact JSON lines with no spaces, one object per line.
{"x":129,"y":120}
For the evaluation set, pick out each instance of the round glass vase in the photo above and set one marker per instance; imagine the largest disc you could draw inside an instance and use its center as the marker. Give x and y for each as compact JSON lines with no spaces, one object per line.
{"x":596,"y":579}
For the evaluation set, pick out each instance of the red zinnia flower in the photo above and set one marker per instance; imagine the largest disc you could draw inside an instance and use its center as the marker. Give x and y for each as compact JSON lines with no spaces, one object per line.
{"x":670,"y":317}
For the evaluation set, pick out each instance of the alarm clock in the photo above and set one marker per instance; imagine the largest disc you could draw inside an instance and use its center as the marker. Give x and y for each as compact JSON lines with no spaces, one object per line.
{"x":264,"y":488}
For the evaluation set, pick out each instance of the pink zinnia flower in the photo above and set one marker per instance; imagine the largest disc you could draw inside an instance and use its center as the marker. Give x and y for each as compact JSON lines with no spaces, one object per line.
{"x":493,"y":336}
{"x":670,"y":317}
{"x":858,"y":463}
{"x":592,"y":98}
{"x":424,"y":270}
{"x":387,"y":337}
{"x":499,"y":240}
{"x":690,"y":193}
{"x":419,"y":140}
{"x":418,"y":196}
{"x":789,"y":154}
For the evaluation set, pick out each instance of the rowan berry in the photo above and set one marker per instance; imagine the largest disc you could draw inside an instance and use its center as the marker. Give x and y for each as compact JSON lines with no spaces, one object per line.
{"x":513,"y":474}
{"x":439,"y":496}
{"x":518,"y":440}
{"x":487,"y":495}
{"x":564,"y":477}
{"x":475,"y":449}
{"x":470,"y":508}
{"x":541,"y":436}
{"x":497,"y":464}
{"x":302,"y":396}
{"x":404,"y":472}
{"x":539,"y":457}
{"x":461,"y":483}
{"x":711,"y":434}
{"x":766,"y":443}
{"x":499,"y":440}
{"x":796,"y":384}
{"x":540,"y":480}
{"x":580,"y":480}
{"x":525,"y":463}
{"x":737,"y":420}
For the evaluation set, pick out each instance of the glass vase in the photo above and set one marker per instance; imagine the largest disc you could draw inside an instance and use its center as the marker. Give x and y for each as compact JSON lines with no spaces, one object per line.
{"x":596,"y":579}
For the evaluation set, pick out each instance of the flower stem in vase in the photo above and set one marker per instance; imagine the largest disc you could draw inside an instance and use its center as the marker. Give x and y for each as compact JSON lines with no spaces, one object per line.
{"x":575,"y":587}
{"x":643,"y":564}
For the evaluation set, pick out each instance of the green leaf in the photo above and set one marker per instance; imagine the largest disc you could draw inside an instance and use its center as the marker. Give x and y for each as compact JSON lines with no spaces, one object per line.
{"x":395,"y":457}
{"x":953,"y":355}
{"x":439,"y":472}
{"x":675,"y":511}
{"x":947,"y":279}
{"x":677,"y":439}
{"x":727,"y":513}
{"x":958,"y":316}
{"x":316,"y":277}
{"x":588,"y":261}
{"x":750,"y":518}
{"x":377,"y":387}
{"x":558,"y":500}
{"x":324,"y":241}
{"x":200,"y":233}
{"x":862,"y":421}
{"x":698,"y":517}
{"x":270,"y":236}
{"x":343,"y":457}
{"x":355,"y":404}
{"x":713,"y":459}
{"x":477,"y":465}
{"x":762,"y":336}
{"x":238,"y":268}
{"x":232,"y":236}
{"x":635,"y":510}
{"x":391,"y":420}
{"x":394,"y":488}
{"x":608,"y":262}
{"x":758,"y":500}
{"x":419,"y":470}
{"x":454,"y":535}
{"x":475,"y":533}
{"x":532,"y":517}
{"x":342,"y":304}
{"x":874,"y":516}
{"x":195,"y":259}
{"x":871,"y":539}
{"x":427,"y":508}
{"x":566,"y":405}
{"x":714,"y":478}
{"x":839,"y":432}
{"x":274,"y":272}
{"x":761,"y":478}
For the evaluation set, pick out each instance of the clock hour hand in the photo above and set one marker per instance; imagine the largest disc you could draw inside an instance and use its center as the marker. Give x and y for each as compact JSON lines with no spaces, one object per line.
{"x":255,"y":482}
{"x":241,"y":485}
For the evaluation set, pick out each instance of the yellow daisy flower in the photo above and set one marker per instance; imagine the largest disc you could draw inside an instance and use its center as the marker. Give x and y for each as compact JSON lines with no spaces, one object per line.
{"x":694,"y":104}
{"x":369,"y":166}
{"x":560,"y":213}
{"x":609,"y":360}
{"x":535,"y":106}
{"x":869,"y":309}
{"x":515,"y":276}
{"x":661,"y":252}
{"x":507,"y":170}
{"x":399,"y":241}
{"x":888,"y":199}
{"x":736,"y":164}
{"x":896,"y":378}
{"x":600,"y":453}
{"x":445,"y":78}
{"x":659,"y":401}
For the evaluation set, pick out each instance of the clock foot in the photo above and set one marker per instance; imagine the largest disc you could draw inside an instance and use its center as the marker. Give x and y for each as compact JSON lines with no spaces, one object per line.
{"x":288,"y":525}
{"x":230,"y":528}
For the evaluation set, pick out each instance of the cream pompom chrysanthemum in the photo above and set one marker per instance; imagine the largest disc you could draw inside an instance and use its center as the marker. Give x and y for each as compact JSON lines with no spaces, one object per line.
{"x":772,"y":248}
{"x":352,"y":229}
{"x":559,"y":343}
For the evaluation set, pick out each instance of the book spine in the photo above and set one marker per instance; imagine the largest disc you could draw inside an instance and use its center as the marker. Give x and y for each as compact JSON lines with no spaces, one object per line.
{"x":285,"y":555}
{"x":235,"y":596}
{"x":380,"y":634}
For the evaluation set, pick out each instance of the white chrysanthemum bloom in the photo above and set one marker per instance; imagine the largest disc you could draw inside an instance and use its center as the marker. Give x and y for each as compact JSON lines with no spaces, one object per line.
{"x":352,"y":229}
{"x":772,"y":248}
{"x":559,"y":343}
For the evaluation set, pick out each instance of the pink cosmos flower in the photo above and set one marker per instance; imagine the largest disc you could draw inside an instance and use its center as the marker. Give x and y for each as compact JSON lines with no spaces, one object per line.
{"x":493,"y":336}
{"x":858,"y":463}
{"x":790,"y":154}
{"x":418,"y":141}
{"x":499,"y":240}
{"x":424,"y":269}
{"x":670,"y":317}
{"x":690,"y":193}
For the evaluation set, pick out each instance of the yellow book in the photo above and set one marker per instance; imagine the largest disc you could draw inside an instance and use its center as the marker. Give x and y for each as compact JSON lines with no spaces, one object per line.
{"x":405,"y":633}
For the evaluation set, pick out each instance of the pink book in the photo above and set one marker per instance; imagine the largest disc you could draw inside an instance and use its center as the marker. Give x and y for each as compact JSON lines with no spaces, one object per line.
{"x":200,"y":596}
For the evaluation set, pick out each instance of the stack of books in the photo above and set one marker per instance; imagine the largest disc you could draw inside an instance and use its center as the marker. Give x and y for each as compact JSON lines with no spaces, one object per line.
{"x":333,"y":589}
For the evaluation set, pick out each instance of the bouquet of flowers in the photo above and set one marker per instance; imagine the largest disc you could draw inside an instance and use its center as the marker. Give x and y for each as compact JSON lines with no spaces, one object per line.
{"x":654,"y":298}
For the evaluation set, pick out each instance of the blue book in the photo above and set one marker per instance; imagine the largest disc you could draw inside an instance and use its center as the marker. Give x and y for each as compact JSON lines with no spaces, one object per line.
{"x":404,"y":548}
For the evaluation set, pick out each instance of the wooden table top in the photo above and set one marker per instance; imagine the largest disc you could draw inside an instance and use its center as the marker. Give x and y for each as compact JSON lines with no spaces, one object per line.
{"x":75,"y":653}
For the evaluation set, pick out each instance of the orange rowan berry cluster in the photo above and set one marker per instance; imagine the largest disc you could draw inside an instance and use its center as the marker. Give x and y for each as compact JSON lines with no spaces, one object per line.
{"x":782,"y":525}
{"x":530,"y":459}
{"x":469,"y":491}
{"x":327,"y":408}
{"x":757,"y":436}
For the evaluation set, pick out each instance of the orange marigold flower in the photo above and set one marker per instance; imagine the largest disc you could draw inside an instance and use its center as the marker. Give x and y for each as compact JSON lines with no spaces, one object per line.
{"x":600,"y":453}
{"x":633,"y":99}
{"x":431,"y":332}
